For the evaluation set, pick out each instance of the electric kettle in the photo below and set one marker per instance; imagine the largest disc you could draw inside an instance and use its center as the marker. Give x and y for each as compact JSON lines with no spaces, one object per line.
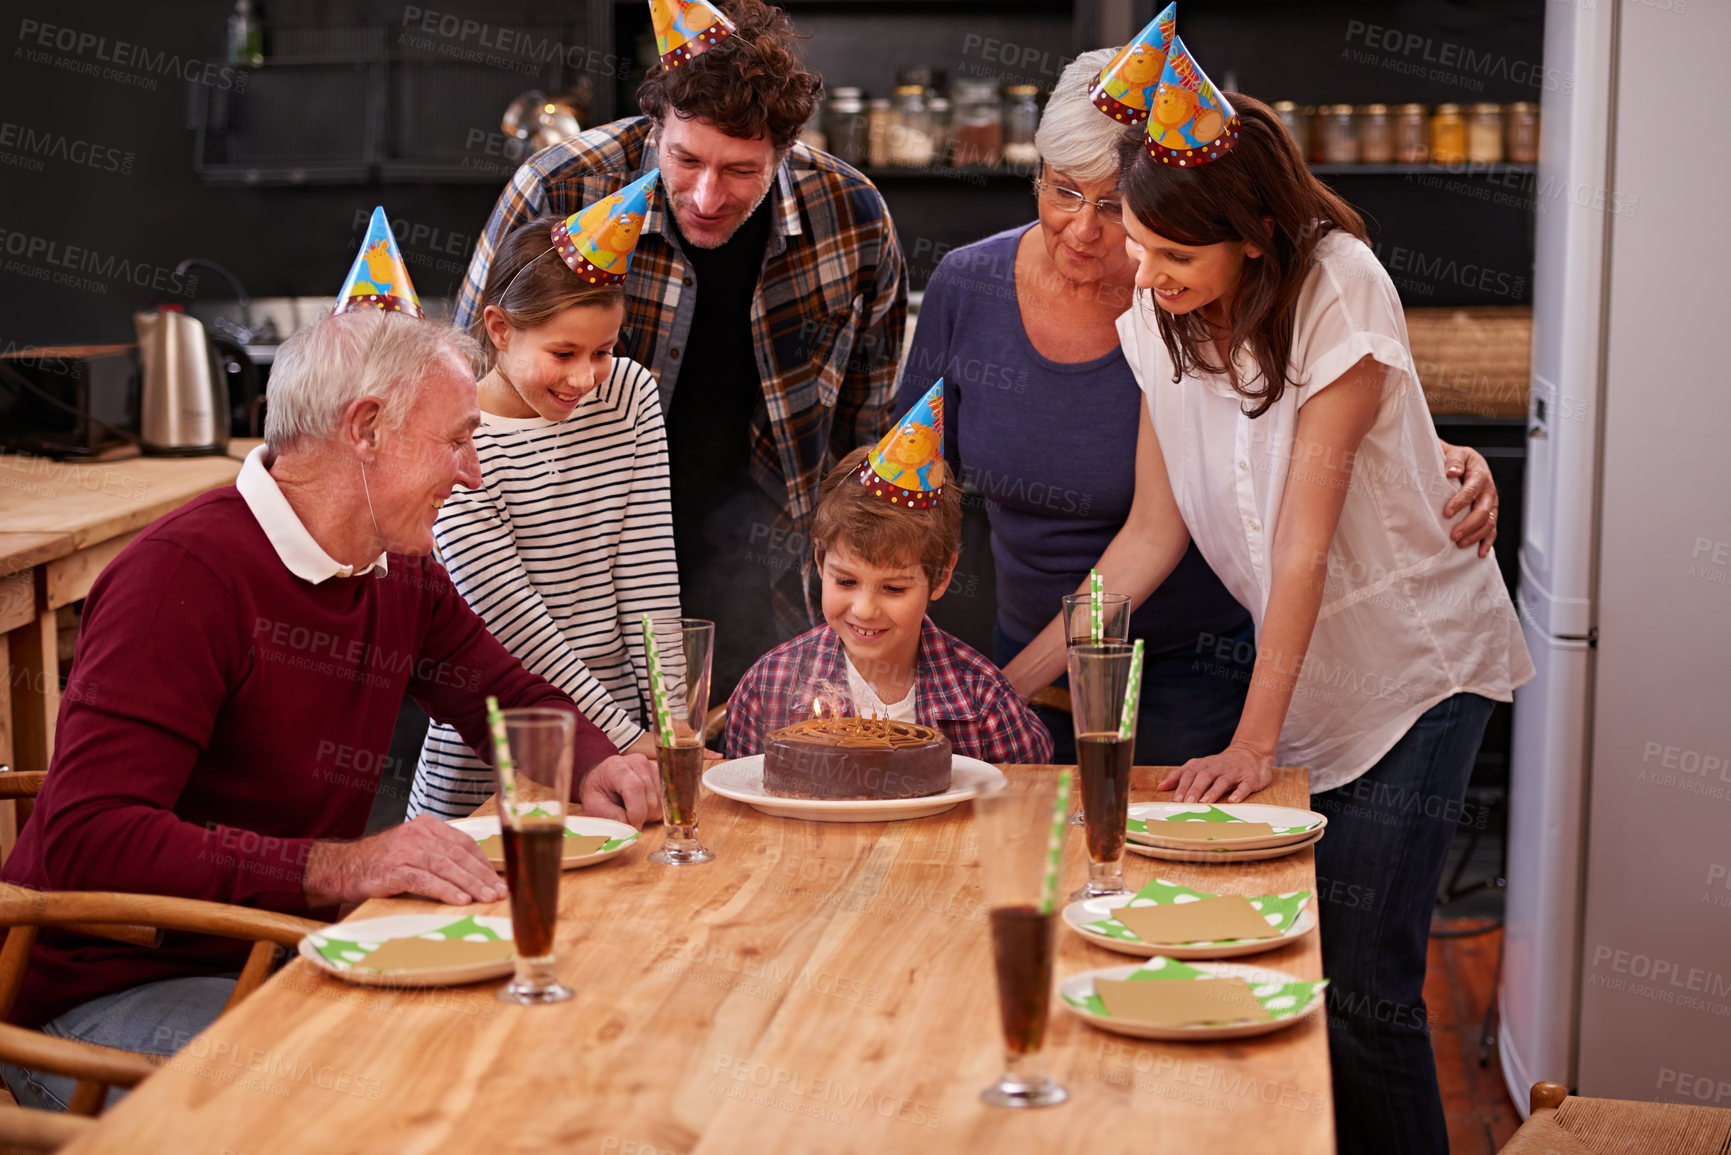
{"x":183,"y":403}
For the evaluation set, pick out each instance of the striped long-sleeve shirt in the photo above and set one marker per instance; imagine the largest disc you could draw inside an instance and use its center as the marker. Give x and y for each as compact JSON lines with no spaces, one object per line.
{"x":567,"y":541}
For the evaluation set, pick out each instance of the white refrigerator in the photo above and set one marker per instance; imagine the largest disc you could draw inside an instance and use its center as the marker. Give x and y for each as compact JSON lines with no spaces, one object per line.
{"x":1616,"y":977}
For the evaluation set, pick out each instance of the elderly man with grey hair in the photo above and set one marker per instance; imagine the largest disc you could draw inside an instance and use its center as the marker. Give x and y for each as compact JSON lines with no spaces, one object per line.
{"x":243,"y":662}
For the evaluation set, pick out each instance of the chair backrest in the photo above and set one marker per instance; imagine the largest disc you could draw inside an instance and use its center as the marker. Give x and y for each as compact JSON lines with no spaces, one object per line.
{"x":20,"y":784}
{"x":25,"y":1130}
{"x":136,"y":918}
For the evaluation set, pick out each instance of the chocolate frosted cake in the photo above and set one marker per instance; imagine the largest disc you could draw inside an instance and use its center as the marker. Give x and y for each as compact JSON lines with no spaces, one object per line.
{"x":855,"y":759}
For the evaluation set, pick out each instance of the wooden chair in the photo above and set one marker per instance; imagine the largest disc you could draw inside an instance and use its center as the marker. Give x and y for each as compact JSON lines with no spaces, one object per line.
{"x":20,"y":788}
{"x":134,"y":918}
{"x":25,"y":1130}
{"x":1565,"y":1124}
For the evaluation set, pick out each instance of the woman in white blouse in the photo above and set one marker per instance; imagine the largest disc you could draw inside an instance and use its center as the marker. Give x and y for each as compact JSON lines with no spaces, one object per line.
{"x":1285,"y":432}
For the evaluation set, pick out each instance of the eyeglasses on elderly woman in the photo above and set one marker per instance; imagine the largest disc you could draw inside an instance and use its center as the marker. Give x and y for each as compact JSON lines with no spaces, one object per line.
{"x":1071,"y":200}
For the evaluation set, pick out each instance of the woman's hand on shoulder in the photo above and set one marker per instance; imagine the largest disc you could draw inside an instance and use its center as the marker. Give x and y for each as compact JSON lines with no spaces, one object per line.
{"x":1229,"y":776}
{"x":1478,"y":491}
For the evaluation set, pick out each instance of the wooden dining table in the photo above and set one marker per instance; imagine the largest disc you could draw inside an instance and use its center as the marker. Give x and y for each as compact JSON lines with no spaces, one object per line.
{"x":819,"y":987}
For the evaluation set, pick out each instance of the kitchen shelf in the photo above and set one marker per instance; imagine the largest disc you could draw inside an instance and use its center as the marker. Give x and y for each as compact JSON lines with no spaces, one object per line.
{"x":1465,"y":170}
{"x":979,"y":173}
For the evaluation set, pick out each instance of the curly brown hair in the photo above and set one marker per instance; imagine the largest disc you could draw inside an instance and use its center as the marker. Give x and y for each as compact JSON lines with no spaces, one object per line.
{"x":749,"y":86}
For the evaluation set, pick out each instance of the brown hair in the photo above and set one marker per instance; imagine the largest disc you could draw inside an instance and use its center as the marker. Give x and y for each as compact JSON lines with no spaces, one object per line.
{"x":748,"y":86}
{"x":882,"y":533}
{"x":1264,"y":178}
{"x":544,"y":290}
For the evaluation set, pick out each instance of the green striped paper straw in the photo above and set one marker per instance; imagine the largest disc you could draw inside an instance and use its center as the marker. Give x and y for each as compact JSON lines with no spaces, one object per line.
{"x":1132,"y":694}
{"x":502,"y":750}
{"x":663,"y":713}
{"x":1096,"y":609}
{"x":1055,"y":842}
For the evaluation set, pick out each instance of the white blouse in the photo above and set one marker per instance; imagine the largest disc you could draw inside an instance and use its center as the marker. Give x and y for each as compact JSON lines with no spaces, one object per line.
{"x":1407,"y":618}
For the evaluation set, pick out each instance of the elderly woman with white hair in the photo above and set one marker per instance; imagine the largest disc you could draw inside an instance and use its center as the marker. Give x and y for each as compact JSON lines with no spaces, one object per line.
{"x":1041,"y":420}
{"x":245,"y":658}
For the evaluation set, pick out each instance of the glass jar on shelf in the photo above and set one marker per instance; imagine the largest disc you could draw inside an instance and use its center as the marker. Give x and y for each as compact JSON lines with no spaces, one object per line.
{"x":1523,"y":132}
{"x":1485,"y":134}
{"x":1339,"y":141}
{"x":1375,"y":134}
{"x":880,"y":115}
{"x":1021,"y":118}
{"x":977,"y":127}
{"x":939,"y":106}
{"x":1311,"y":146}
{"x":911,"y":132}
{"x":1411,"y":134}
{"x":1296,"y":120}
{"x":1448,"y":135}
{"x":846,"y":125}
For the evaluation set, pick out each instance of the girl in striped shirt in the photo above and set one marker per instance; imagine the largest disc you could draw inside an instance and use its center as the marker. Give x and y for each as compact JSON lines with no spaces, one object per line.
{"x":570,"y":536}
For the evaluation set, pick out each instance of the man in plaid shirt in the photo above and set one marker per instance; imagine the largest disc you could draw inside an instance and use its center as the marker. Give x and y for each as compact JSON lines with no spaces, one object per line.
{"x":777,"y":278}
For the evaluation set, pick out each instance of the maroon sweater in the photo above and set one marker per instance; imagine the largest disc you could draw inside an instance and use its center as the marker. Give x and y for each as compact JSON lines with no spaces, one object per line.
{"x":220,"y":715}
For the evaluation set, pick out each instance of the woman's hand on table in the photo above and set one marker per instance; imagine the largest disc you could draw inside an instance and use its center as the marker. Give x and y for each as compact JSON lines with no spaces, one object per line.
{"x":423,"y":856}
{"x":1478,"y":490}
{"x":626,"y":787}
{"x":1237,"y":769}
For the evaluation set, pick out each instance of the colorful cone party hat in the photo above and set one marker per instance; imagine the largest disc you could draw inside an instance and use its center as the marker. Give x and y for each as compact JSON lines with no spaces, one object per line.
{"x":906,"y":468}
{"x":598,"y":241}
{"x":379,"y":279}
{"x":683,"y":28}
{"x":1190,"y":122}
{"x":1124,"y":89}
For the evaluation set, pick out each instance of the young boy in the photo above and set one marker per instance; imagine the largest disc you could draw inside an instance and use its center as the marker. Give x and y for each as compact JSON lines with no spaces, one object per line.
{"x":887,"y":532}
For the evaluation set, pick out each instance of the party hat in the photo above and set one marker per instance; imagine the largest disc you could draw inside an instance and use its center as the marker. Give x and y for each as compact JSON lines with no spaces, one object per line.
{"x":683,"y":28}
{"x":1190,"y":122}
{"x":1124,"y":88}
{"x":906,"y":468}
{"x":379,"y":279}
{"x":597,"y":242}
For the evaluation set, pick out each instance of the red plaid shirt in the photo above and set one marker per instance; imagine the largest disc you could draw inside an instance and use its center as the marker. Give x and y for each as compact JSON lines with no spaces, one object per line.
{"x":956,"y":690}
{"x":826,"y":322}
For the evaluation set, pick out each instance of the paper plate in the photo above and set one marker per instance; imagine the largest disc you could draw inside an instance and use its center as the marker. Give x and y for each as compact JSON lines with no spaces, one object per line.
{"x":1290,"y":824}
{"x":619,"y":836}
{"x":1297,"y":917}
{"x":343,"y":948}
{"x":742,"y":781}
{"x":1288,"y":998}
{"x":1196,"y":855}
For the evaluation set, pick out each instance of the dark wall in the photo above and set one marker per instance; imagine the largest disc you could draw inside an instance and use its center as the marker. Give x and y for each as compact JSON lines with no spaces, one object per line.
{"x":100,"y":199}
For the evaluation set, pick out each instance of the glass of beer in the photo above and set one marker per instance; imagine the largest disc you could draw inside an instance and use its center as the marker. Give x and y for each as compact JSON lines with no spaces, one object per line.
{"x":1014,"y":823}
{"x":1114,"y":619}
{"x":685,"y":648}
{"x":1099,"y":683}
{"x":534,"y":798}
{"x":1078,"y":631}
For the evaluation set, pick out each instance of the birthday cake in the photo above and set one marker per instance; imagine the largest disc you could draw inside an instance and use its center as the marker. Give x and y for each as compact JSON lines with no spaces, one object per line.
{"x":855,"y":759}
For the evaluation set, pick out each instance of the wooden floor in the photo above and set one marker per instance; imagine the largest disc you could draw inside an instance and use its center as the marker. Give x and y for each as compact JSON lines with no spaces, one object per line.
{"x":1459,"y":984}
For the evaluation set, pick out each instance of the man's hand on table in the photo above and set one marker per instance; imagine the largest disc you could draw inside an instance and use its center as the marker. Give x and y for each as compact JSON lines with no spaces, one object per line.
{"x":626,"y":787}
{"x":1479,"y":527}
{"x":423,"y":856}
{"x":1237,"y":769}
